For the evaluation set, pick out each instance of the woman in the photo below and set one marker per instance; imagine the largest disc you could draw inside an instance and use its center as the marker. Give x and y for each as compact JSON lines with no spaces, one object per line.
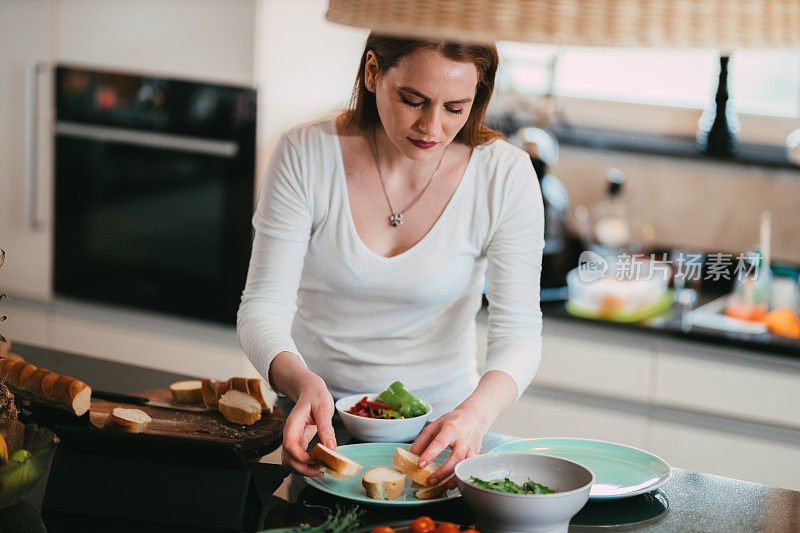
{"x":374,"y":234}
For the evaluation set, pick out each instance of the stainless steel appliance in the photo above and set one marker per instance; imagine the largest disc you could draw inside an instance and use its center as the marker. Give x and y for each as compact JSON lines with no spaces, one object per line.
{"x":154,"y":191}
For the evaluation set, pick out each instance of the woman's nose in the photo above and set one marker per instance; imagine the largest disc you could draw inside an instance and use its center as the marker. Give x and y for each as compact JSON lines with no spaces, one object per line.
{"x":430,"y":122}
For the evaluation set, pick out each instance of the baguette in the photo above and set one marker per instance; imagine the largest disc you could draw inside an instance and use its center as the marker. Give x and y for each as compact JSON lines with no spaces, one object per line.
{"x":223,"y":387}
{"x":128,"y":420}
{"x":383,"y":483}
{"x":74,"y":393}
{"x":20,"y":373}
{"x":406,"y":462}
{"x":209,"y":391}
{"x":258,"y":389}
{"x":40,"y":382}
{"x":334,"y":460}
{"x":239,"y":384}
{"x":187,"y":391}
{"x":11,"y":369}
{"x":239,"y":408}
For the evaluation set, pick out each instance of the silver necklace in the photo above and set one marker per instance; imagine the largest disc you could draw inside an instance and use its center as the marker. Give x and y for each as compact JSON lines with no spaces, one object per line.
{"x":395,"y":219}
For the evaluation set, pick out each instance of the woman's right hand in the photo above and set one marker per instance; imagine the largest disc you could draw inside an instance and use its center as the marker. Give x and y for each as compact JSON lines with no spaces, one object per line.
{"x":311,"y":414}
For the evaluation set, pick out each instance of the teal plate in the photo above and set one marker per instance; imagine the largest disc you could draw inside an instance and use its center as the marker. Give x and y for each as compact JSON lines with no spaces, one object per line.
{"x":370,"y":455}
{"x":620,"y":471}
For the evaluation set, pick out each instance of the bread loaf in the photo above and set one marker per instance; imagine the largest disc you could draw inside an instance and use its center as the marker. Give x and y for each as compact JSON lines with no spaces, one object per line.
{"x":40,"y":382}
{"x":74,"y":393}
{"x":209,"y":391}
{"x":258,"y":389}
{"x":239,"y":384}
{"x":21,"y":374}
{"x":187,"y":391}
{"x":128,"y":420}
{"x":10,"y":370}
{"x":239,"y":408}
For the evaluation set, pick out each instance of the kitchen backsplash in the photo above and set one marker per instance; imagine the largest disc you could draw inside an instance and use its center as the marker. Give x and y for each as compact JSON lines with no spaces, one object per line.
{"x":698,"y":204}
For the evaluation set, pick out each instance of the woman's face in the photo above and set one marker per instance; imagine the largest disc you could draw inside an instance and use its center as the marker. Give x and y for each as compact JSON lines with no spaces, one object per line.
{"x":423,"y":101}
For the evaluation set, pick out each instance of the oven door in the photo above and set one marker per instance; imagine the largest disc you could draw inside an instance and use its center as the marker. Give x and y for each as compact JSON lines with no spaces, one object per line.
{"x":155,"y":221}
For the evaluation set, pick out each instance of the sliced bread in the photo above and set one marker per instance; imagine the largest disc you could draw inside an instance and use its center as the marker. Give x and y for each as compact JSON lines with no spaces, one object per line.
{"x":327,"y":470}
{"x":209,"y":391}
{"x":190,"y":391}
{"x":433,"y":491}
{"x":383,"y":483}
{"x":73,"y":392}
{"x":239,"y":408}
{"x":258,"y":389}
{"x":128,"y":420}
{"x":334,"y":460}
{"x":406,"y":462}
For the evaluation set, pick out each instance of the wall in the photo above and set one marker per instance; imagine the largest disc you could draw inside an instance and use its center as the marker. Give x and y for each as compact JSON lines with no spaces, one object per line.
{"x":305,"y":67}
{"x":701,"y":205}
{"x":198,"y":39}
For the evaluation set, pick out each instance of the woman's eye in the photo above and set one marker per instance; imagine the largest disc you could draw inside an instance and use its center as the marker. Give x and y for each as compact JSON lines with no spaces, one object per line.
{"x":454,"y":111}
{"x":409,"y":102}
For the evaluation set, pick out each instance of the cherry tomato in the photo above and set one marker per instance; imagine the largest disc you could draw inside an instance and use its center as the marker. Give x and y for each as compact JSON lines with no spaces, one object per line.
{"x":382,"y":529}
{"x":423,"y":524}
{"x":447,"y":527}
{"x":470,"y":531}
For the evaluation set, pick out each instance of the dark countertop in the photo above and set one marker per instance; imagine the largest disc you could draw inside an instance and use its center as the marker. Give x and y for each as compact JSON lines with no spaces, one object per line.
{"x":697,"y":501}
{"x":669,"y":325}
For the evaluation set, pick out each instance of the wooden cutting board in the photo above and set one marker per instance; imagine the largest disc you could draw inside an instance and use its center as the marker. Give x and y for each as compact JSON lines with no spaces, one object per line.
{"x":208,"y":425}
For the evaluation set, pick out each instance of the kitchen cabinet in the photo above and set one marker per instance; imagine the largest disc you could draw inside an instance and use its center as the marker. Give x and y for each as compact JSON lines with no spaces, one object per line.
{"x":26,"y":117}
{"x":572,"y":358}
{"x":727,"y":382}
{"x":535,"y":415}
{"x":723,"y":410}
{"x":727,"y":454}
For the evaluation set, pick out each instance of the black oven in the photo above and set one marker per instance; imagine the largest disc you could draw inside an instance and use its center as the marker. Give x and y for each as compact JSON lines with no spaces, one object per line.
{"x":154,"y":192}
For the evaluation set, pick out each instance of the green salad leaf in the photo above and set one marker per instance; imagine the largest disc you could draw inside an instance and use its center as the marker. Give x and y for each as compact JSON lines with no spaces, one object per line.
{"x":506,"y":485}
{"x":402,"y":401}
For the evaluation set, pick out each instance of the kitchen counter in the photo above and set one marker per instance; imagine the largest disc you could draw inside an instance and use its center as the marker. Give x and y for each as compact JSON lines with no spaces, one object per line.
{"x":697,"y":501}
{"x":669,"y":325}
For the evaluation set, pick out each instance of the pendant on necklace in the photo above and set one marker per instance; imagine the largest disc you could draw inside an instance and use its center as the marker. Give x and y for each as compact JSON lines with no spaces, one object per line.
{"x":396,"y":219}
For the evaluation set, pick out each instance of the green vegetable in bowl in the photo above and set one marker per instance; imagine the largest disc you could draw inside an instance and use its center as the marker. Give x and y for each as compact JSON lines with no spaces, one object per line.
{"x":506,"y":485}
{"x":402,"y":401}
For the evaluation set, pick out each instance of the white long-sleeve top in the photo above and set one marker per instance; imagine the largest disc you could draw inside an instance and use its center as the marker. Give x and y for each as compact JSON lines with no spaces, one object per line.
{"x":360,"y":320}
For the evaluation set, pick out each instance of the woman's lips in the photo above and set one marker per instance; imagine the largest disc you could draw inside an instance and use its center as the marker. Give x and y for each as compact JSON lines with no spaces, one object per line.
{"x":422,"y":144}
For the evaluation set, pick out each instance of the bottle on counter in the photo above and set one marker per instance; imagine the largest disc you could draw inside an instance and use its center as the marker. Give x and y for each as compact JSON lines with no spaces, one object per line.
{"x":611,"y":224}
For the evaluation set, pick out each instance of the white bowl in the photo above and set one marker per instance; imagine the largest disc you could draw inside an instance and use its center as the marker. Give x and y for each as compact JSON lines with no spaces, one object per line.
{"x":501,"y":512}
{"x":378,"y":430}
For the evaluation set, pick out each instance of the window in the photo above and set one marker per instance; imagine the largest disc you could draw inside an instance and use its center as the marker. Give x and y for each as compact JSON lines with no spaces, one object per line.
{"x":673,"y":83}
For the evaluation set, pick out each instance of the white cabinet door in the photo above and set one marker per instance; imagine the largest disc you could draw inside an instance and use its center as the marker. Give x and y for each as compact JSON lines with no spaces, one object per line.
{"x":26,"y":160}
{"x":595,"y":359}
{"x":705,"y":380}
{"x":534,"y":416}
{"x":728,"y":454}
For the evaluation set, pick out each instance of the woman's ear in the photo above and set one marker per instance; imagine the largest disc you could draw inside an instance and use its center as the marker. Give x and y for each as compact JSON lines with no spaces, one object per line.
{"x":371,"y":71}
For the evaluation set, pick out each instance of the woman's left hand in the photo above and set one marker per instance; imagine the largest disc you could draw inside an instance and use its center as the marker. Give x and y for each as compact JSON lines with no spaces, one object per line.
{"x":461,"y":430}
